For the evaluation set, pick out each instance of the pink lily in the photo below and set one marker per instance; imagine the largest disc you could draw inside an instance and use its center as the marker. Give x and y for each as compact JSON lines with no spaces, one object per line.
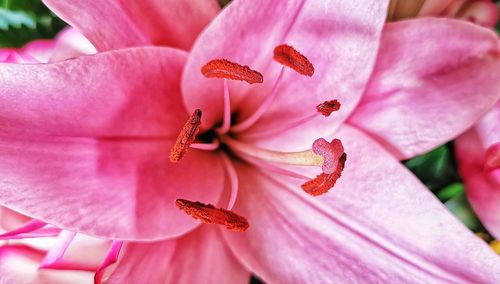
{"x":482,"y":12}
{"x":30,"y":250}
{"x":478,"y":154}
{"x":86,"y":148}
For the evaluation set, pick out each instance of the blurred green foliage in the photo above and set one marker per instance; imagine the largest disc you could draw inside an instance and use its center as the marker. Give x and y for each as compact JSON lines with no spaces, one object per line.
{"x":435,"y":169}
{"x":24,"y":20}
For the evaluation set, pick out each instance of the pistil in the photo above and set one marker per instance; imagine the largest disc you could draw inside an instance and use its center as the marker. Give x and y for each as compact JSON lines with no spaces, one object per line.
{"x":303,"y":158}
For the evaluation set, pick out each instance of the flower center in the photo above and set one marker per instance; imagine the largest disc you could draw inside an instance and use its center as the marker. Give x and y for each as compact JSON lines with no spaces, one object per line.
{"x":329,"y":156}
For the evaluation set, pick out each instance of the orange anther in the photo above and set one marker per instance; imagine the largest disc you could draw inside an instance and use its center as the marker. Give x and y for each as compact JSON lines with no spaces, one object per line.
{"x":186,"y":137}
{"x":208,"y":214}
{"x":290,"y":57}
{"x":222,"y":68}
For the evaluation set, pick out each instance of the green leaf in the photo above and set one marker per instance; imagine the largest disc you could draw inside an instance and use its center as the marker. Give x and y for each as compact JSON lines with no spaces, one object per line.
{"x":460,"y":207}
{"x":22,"y":21}
{"x":435,"y":169}
{"x":450,"y":191}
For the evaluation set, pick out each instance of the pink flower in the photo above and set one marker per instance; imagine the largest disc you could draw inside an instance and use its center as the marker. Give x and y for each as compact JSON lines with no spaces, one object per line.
{"x":482,"y":12}
{"x":478,"y":154}
{"x":86,"y":142}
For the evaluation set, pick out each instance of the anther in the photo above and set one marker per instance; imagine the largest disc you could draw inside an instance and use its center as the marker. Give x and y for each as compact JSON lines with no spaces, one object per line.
{"x":208,"y":214}
{"x":222,"y":68}
{"x":327,"y":107}
{"x":324,"y":182}
{"x":186,"y":137}
{"x":290,"y":57}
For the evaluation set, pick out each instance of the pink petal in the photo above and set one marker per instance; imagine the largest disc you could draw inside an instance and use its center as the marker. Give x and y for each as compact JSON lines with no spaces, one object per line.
{"x":56,"y":253}
{"x":488,"y":128}
{"x":28,"y":227}
{"x":19,"y":264}
{"x":111,"y":258}
{"x":246,"y":32}
{"x":90,"y":153}
{"x":116,"y":24}
{"x":199,"y":257}
{"x":426,"y":92}
{"x":378,"y":225}
{"x":69,"y":43}
{"x":483,"y":13}
{"x":40,"y":50}
{"x":482,"y":189}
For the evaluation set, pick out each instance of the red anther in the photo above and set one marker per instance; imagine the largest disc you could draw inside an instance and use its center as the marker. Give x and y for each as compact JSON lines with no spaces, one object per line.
{"x":290,"y":57}
{"x":222,"y":68}
{"x":327,"y":107}
{"x":208,"y":214}
{"x":186,"y":137}
{"x":324,"y":182}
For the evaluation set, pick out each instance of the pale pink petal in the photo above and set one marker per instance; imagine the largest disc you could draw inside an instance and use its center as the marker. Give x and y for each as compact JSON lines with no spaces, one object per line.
{"x":90,"y":153}
{"x":16,"y":56}
{"x":483,"y":13}
{"x":198,"y":257}
{"x":114,"y":24}
{"x":488,"y":128}
{"x":69,"y":43}
{"x":56,"y":253}
{"x":340,"y":38}
{"x":19,"y":264}
{"x":426,"y":92}
{"x":11,"y":220}
{"x":41,"y":50}
{"x":379,"y":224}
{"x":28,"y":227}
{"x":483,"y":191}
{"x":110,"y":259}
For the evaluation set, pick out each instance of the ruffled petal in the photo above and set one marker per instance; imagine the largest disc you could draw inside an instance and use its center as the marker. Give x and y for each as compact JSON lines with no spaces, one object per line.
{"x":340,"y":38}
{"x":117,"y":24}
{"x":85,"y":145}
{"x":426,"y":92}
{"x":199,"y":257}
{"x":379,"y":224}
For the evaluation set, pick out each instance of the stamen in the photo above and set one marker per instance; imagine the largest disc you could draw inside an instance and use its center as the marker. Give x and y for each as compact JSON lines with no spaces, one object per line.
{"x":206,"y":146}
{"x":186,"y":137}
{"x":324,"y":182}
{"x":226,"y":120}
{"x":208,"y":214}
{"x":233,"y":179}
{"x":327,"y":107}
{"x":290,"y":57}
{"x":222,"y":68}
